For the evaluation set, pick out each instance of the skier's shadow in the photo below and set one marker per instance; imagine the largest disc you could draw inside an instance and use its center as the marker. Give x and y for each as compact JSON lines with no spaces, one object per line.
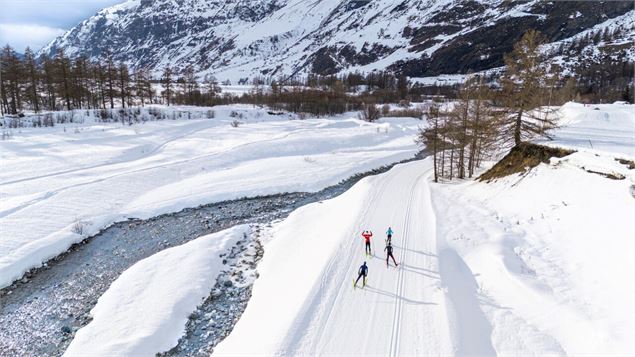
{"x":414,"y":251}
{"x":393,"y":295}
{"x":421,"y":271}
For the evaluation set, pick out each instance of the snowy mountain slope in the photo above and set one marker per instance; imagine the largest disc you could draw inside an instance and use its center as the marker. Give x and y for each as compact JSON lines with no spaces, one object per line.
{"x":96,"y":174}
{"x":241,"y":39}
{"x":619,"y":46}
{"x":164,"y":288}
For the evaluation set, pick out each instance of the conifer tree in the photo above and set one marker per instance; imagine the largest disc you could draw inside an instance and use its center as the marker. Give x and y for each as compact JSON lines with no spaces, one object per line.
{"x":523,"y":90}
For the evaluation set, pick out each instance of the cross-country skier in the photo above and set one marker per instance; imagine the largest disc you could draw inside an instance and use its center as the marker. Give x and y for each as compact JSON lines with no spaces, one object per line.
{"x":363,"y":271}
{"x":388,"y":250}
{"x":389,"y":235}
{"x":367,"y":235}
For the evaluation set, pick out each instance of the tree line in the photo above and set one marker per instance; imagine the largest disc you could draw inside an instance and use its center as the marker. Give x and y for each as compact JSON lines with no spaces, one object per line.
{"x":64,"y":83}
{"x":487,"y":117}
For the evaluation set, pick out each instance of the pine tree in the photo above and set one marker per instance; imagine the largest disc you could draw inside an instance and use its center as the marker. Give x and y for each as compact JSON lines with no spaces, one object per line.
{"x":11,"y":80}
{"x":190,"y":84}
{"x":48,"y":67}
{"x":142,"y":85}
{"x":430,"y":137}
{"x":402,"y":87}
{"x":111,"y":77}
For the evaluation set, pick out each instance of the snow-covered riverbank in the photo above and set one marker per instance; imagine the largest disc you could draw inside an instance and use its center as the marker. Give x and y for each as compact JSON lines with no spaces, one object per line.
{"x":58,"y":186}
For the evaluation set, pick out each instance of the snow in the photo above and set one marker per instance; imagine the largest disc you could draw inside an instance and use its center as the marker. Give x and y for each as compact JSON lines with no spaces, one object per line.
{"x":532,"y":264}
{"x":538,"y":263}
{"x":441,"y":80}
{"x":549,"y":255}
{"x":318,"y":250}
{"x":94,"y":174}
{"x":607,"y":128}
{"x":145,"y":310}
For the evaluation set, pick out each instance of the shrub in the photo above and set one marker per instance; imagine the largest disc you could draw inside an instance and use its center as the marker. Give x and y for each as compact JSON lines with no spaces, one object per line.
{"x":407,"y":113}
{"x":385,"y":110}
{"x":79,"y":227}
{"x":370,"y":112}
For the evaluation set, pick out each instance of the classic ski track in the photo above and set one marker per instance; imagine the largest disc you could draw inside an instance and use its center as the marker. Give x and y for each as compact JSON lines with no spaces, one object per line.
{"x":397,"y":306}
{"x":343,"y":271}
{"x":396,"y":326}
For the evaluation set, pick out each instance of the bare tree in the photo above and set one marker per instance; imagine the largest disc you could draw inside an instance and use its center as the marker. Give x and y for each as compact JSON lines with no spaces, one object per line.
{"x":33,"y":78}
{"x":523,"y":90}
{"x":124,"y":83}
{"x":110,"y":75}
{"x":166,"y":80}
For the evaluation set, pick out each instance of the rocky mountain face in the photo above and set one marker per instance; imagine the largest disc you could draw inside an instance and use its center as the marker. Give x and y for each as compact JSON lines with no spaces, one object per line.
{"x":235,"y":39}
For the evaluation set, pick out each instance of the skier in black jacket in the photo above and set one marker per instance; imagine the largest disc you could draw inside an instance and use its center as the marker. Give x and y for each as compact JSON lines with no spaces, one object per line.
{"x":363,"y":271}
{"x":388,"y":251}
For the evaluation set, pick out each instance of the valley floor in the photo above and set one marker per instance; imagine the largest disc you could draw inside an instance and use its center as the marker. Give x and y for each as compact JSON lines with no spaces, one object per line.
{"x":538,"y":263}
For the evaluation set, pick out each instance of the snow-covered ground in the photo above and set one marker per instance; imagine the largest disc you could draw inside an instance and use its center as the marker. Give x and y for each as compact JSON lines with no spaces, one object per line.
{"x":535,"y":264}
{"x":159,"y":292}
{"x":545,"y":260}
{"x":58,"y":182}
{"x":531,"y":264}
{"x":305,"y":294}
{"x":607,"y":128}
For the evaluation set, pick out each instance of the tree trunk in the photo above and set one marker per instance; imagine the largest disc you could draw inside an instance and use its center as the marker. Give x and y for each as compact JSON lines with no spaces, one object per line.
{"x":517,"y":127}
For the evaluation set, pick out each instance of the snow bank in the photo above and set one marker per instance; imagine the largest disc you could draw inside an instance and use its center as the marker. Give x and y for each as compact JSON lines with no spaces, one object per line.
{"x":55,"y":179}
{"x":550,"y":253}
{"x":145,"y":310}
{"x":290,"y":269}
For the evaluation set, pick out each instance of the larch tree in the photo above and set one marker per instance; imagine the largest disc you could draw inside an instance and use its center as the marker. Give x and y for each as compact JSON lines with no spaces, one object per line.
{"x":111,"y":75}
{"x":523,"y":90}
{"x":123,"y":80}
{"x":166,"y":80}
{"x":31,"y":70}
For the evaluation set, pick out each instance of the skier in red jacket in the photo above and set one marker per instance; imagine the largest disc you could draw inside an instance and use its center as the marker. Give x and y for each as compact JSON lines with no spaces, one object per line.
{"x":367,"y":235}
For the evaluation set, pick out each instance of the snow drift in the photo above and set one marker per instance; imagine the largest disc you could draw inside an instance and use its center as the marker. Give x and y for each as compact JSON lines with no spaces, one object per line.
{"x":145,"y":310}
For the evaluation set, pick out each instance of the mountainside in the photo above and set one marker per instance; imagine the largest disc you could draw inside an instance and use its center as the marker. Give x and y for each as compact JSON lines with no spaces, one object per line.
{"x":240,"y":38}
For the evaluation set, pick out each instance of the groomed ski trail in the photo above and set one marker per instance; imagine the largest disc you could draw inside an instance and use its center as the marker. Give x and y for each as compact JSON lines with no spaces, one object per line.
{"x":318,"y":250}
